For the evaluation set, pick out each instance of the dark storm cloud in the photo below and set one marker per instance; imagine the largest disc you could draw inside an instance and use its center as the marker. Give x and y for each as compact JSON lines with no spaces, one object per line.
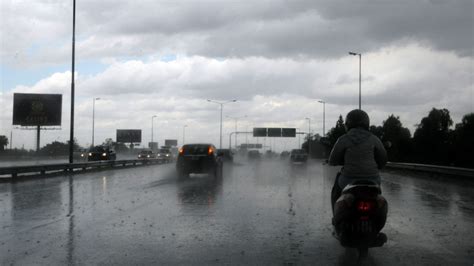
{"x":294,"y":29}
{"x":288,"y":28}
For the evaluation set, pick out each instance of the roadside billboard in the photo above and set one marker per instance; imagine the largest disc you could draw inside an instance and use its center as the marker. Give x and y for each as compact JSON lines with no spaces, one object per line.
{"x":33,"y":109}
{"x":171,"y":142}
{"x":129,"y":135}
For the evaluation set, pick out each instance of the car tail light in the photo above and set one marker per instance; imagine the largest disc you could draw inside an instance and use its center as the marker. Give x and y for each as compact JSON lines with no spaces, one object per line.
{"x":181,"y":151}
{"x":210,"y":151}
{"x":365,"y":206}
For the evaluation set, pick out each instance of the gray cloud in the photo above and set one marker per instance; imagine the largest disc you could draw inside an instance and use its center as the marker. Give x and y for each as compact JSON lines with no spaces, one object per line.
{"x":318,"y":29}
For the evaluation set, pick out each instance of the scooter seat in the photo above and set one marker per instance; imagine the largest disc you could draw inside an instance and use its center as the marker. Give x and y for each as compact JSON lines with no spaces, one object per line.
{"x":362,"y":185}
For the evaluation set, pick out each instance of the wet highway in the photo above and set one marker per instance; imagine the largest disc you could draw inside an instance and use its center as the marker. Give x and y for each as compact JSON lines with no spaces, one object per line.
{"x":263,"y":213}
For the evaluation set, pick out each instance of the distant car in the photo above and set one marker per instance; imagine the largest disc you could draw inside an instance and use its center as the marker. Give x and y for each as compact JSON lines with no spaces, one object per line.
{"x":80,"y":154}
{"x":253,"y":154}
{"x":101,"y":153}
{"x":227,"y":155}
{"x":146,"y":154}
{"x":270,"y":154}
{"x":198,"y":159}
{"x":284,"y":155}
{"x":298,"y":156}
{"x":164,"y":154}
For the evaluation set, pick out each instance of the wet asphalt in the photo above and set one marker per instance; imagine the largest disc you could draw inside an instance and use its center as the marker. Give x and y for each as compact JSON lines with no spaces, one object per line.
{"x":257,"y":213}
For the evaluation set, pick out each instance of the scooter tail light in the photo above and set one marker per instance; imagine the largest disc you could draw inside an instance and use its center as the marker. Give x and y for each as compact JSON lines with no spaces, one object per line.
{"x":365,"y":206}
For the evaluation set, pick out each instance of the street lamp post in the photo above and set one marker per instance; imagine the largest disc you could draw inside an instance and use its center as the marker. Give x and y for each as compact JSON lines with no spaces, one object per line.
{"x":236,"y":119}
{"x":93,"y":119}
{"x":71,"y":126}
{"x":184,"y":133}
{"x":299,"y":138}
{"x":360,"y":76}
{"x":152,"y":130}
{"x":222,"y":106}
{"x":309,"y":136}
{"x":324,"y":117}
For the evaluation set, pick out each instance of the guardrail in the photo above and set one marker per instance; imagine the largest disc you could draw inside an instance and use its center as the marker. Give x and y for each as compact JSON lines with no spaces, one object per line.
{"x":8,"y":173}
{"x":446,"y":170}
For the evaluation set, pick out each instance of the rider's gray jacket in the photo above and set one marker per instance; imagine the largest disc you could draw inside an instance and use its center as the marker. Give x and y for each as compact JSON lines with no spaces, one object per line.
{"x":360,"y":152}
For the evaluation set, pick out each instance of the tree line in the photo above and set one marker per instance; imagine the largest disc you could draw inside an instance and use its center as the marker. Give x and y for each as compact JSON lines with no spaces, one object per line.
{"x":436,"y":140}
{"x":55,"y":148}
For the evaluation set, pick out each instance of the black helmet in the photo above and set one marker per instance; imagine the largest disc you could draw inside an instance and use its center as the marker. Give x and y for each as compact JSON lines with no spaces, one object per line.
{"x":357,"y":118}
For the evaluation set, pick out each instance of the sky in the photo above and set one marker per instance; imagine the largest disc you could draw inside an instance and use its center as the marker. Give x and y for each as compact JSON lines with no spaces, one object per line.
{"x":276,"y":58}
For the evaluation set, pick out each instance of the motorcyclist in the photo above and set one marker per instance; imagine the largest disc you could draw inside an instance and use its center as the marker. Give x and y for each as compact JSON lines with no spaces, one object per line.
{"x":360,"y":152}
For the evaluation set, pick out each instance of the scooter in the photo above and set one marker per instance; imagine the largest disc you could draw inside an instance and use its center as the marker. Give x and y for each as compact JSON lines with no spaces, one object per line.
{"x":360,"y":214}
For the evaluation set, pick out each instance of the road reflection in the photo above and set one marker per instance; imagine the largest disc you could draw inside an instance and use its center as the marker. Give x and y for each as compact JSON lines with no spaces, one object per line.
{"x":36,"y":201}
{"x":199,"y":190}
{"x":70,"y":242}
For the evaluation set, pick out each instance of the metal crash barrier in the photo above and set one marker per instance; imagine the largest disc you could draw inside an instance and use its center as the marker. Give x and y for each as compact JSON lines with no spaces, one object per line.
{"x":12,"y":172}
{"x":435,"y":169}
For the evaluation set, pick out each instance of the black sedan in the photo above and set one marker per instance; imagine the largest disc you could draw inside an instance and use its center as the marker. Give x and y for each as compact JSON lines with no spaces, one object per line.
{"x":101,"y":153}
{"x":198,"y":159}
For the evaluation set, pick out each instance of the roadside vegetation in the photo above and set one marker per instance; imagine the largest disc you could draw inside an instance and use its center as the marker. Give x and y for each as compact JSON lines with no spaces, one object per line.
{"x":436,"y":140}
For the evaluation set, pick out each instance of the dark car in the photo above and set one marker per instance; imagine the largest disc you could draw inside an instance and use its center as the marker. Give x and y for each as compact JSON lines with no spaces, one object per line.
{"x":101,"y":153}
{"x":146,"y":154}
{"x":198,"y":159}
{"x":164,"y":154}
{"x":253,"y":155}
{"x":270,"y":154}
{"x":284,"y":155}
{"x":298,"y":156}
{"x":227,"y":155}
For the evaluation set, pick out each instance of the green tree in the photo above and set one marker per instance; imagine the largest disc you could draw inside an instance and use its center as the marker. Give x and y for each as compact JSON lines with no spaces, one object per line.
{"x":377,"y":131}
{"x":55,"y":148}
{"x":118,"y":147}
{"x":337,"y":131}
{"x":3,"y":142}
{"x":399,"y":136}
{"x":464,"y":142}
{"x":432,"y":138}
